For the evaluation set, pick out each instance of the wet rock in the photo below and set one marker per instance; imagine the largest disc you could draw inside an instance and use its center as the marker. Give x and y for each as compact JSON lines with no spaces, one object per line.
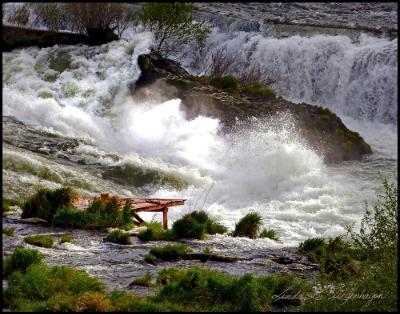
{"x":283,"y":260}
{"x":323,"y":130}
{"x":204,"y":257}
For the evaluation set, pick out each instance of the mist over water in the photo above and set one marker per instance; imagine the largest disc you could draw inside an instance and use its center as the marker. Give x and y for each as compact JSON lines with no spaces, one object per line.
{"x":266,"y":167}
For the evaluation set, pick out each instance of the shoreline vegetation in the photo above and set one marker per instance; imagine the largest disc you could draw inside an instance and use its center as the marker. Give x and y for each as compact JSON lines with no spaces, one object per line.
{"x":356,"y":272}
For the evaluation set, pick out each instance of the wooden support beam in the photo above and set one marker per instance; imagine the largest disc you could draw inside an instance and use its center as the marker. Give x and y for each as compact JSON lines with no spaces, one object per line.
{"x":137,"y":217}
{"x":165,"y":218}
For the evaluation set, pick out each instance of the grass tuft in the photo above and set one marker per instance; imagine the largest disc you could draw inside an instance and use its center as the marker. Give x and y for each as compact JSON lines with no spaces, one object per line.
{"x":119,"y":236}
{"x":40,"y":240}
{"x":171,"y":252}
{"x":9,"y":231}
{"x":21,"y":259}
{"x":196,"y":225}
{"x":248,"y":226}
{"x":270,"y":233}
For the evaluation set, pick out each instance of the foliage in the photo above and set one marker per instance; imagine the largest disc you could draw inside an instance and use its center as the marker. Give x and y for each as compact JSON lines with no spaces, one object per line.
{"x":198,"y":289}
{"x":172,"y":25}
{"x":228,"y":83}
{"x":52,"y":289}
{"x":379,"y":226}
{"x":9,"y":231}
{"x":8,"y":202}
{"x":258,"y":89}
{"x":370,"y":283}
{"x":150,"y":259}
{"x":144,"y":281}
{"x":100,"y":214}
{"x":67,"y":237}
{"x":84,"y":18}
{"x":119,"y":236}
{"x":269,"y":233}
{"x":20,"y":16}
{"x":171,"y":252}
{"x":248,"y":226}
{"x":21,"y":259}
{"x":335,"y":256}
{"x":40,"y":240}
{"x":195,"y":225}
{"x":154,"y":232}
{"x":45,"y":203}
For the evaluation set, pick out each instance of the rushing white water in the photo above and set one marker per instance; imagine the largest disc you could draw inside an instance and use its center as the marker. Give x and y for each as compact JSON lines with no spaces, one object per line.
{"x":265,"y":168}
{"x":355,"y":79}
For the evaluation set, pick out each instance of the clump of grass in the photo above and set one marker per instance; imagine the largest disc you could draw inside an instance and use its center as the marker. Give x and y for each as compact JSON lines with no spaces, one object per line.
{"x":56,"y":207}
{"x":45,"y":203}
{"x":270,"y":233}
{"x":9,"y":231}
{"x":150,"y":259}
{"x":229,"y":83}
{"x":171,"y":252}
{"x":45,"y":94}
{"x":119,"y":236}
{"x":145,"y":281}
{"x":258,"y":89}
{"x":196,"y":225}
{"x":9,"y":202}
{"x":154,"y":232}
{"x":248,"y":226}
{"x":21,"y":259}
{"x":335,"y":256}
{"x":67,"y":238}
{"x":40,"y":240}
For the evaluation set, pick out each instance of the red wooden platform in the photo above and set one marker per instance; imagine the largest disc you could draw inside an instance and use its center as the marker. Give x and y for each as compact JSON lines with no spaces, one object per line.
{"x":138,"y":205}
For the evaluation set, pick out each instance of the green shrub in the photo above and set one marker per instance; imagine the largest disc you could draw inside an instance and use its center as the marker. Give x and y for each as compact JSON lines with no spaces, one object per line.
{"x":200,"y":289}
{"x":119,"y":236}
{"x":9,"y":231}
{"x":195,"y":225}
{"x":258,"y":89}
{"x":335,"y":256}
{"x":229,"y":82}
{"x":144,"y":281}
{"x":154,"y":232}
{"x":67,"y":238}
{"x":171,"y":252}
{"x":40,"y":240}
{"x":21,"y":259}
{"x":270,"y":233}
{"x":248,"y":226}
{"x":49,"y":288}
{"x":45,"y":203}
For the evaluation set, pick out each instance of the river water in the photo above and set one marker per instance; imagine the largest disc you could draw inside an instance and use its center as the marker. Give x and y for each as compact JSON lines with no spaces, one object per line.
{"x":265,"y":168}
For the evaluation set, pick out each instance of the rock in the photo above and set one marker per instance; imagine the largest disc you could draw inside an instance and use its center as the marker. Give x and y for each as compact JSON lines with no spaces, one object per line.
{"x":283,"y":260}
{"x":204,"y":257}
{"x":323,"y":130}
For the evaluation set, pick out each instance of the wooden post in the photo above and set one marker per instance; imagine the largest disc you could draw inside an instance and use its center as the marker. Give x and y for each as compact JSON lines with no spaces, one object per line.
{"x":165,"y":218}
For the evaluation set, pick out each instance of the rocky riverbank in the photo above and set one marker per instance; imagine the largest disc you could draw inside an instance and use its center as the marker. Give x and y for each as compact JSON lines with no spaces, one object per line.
{"x":118,"y":265}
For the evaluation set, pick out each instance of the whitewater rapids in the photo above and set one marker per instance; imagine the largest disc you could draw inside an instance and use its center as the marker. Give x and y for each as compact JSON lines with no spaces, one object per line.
{"x":265,"y":168}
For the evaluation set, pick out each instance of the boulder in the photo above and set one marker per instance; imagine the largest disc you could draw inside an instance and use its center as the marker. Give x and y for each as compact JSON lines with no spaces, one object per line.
{"x":323,"y":130}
